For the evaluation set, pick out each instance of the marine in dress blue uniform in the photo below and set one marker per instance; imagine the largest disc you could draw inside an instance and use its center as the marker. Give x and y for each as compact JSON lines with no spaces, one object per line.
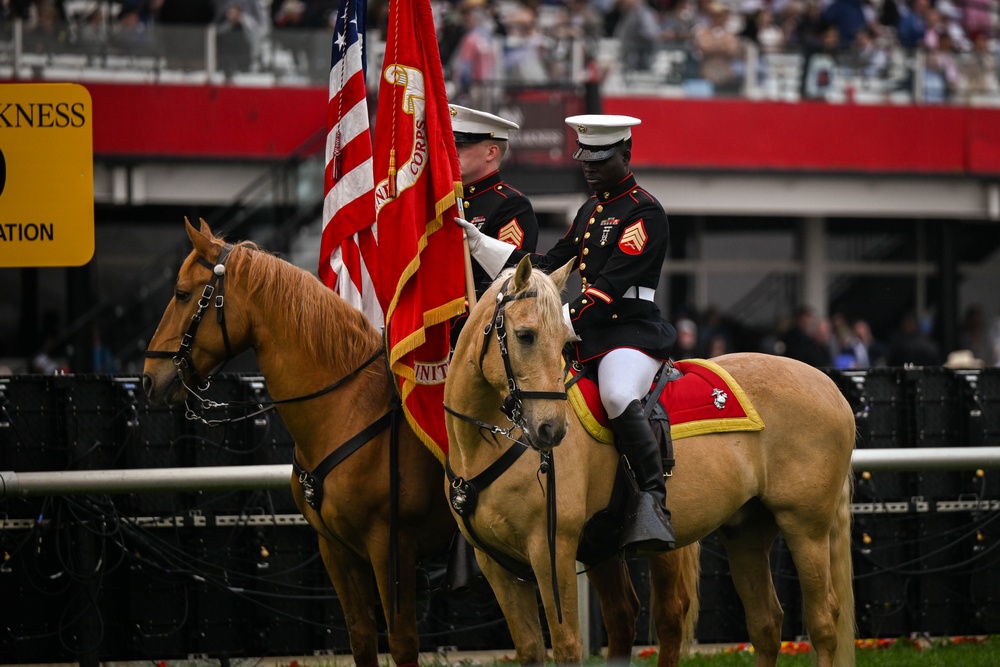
{"x":496,"y":208}
{"x":619,"y":238}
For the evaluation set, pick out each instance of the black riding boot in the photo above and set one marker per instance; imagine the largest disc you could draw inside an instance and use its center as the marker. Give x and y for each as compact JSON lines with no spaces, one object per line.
{"x":647,"y":527}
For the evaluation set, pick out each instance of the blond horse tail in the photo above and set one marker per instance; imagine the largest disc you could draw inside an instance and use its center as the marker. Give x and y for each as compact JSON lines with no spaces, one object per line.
{"x":691,"y":583}
{"x":842,"y":576}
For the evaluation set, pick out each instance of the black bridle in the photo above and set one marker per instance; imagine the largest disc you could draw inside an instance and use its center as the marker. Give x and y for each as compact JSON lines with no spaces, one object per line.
{"x":216,"y":286}
{"x":513,"y":404}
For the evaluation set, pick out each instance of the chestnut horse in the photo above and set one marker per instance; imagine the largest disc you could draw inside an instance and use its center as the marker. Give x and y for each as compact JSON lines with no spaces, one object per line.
{"x":324,"y":369}
{"x":792,"y":477}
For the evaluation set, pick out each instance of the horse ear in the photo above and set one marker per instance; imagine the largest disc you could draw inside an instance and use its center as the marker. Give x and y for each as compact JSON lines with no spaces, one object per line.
{"x":523,"y":273}
{"x":561,"y":275}
{"x":200,"y":238}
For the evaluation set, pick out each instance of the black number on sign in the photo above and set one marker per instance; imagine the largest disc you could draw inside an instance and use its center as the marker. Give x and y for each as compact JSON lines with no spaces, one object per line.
{"x":3,"y":172}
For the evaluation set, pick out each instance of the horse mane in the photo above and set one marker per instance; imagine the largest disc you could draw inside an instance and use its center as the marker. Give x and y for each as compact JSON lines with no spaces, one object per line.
{"x":327,"y":323}
{"x":548,"y":299}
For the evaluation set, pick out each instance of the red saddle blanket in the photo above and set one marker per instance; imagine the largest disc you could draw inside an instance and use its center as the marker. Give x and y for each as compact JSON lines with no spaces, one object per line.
{"x":705,"y":399}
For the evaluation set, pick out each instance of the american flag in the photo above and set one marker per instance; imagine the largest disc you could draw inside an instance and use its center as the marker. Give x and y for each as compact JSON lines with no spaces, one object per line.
{"x":348,"y":247}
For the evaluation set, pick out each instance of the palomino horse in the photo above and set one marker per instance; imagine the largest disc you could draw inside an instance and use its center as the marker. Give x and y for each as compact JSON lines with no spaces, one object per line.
{"x":792,"y":477}
{"x":322,"y":362}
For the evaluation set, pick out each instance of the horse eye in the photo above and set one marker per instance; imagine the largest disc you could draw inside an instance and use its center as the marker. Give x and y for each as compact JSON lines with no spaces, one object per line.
{"x":181,"y":296}
{"x":525,"y":336}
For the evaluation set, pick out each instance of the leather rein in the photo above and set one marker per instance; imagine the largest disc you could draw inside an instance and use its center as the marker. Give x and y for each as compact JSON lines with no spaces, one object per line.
{"x":464,"y":494}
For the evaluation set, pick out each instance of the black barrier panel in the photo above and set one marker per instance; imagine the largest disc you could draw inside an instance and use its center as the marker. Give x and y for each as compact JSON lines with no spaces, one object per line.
{"x":984,"y":582}
{"x":293,"y":600}
{"x":939,"y":417}
{"x":32,"y":433}
{"x":884,"y":593}
{"x":878,"y":398}
{"x":721,"y":617}
{"x":944,"y":552}
{"x":982,"y":401}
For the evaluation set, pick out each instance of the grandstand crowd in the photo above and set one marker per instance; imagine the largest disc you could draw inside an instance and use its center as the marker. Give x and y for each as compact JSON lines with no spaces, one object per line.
{"x":711,"y":46}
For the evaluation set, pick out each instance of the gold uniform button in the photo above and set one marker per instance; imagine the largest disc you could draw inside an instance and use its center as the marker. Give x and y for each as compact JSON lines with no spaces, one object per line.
{"x":499,"y":187}
{"x":465,"y":204}
{"x":583,"y":301}
{"x":586,"y":236}
{"x":586,"y":251}
{"x":599,"y":208}
{"x":603,"y":243}
{"x":576,"y":239}
{"x":590,"y":222}
{"x":583,"y":266}
{"x":572,"y":311}
{"x":615,"y":316}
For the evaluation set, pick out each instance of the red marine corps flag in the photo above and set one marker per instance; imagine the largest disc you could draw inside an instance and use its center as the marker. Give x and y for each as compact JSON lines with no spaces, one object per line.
{"x":421,"y":280}
{"x":347,"y":249}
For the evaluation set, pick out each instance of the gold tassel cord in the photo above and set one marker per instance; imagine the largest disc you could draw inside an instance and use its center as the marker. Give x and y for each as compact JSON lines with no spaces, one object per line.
{"x":392,"y":174}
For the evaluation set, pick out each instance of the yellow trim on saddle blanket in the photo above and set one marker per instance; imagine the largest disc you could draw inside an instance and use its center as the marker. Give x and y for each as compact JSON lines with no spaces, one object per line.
{"x":751,"y":422}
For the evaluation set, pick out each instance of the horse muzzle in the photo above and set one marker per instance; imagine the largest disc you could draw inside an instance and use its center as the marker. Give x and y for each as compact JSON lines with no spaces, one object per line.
{"x":547,"y":433}
{"x":164,"y":390}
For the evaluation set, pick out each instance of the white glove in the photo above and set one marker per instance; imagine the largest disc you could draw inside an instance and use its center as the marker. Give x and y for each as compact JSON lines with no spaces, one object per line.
{"x":472,"y":233}
{"x":573,"y":336}
{"x":490,"y":253}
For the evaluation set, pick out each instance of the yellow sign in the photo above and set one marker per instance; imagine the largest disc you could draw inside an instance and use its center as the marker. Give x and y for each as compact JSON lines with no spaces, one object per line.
{"x":46,"y":175}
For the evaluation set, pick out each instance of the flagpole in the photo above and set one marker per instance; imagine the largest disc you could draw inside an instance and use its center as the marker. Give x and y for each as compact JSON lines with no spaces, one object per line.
{"x":470,"y":285}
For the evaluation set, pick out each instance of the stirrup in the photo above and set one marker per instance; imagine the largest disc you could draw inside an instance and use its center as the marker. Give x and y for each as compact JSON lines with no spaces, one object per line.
{"x":647,"y":529}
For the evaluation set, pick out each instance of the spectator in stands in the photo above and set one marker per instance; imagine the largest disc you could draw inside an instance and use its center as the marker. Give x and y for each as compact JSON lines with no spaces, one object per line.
{"x":912,"y":23}
{"x":243,"y":25}
{"x":686,"y":346}
{"x":849,"y":17}
{"x":876,"y":350}
{"x":719,"y":50}
{"x":48,"y":29}
{"x":767,"y":34}
{"x":940,"y":76}
{"x":638,"y":34}
{"x":474,"y":64}
{"x":911,"y":345}
{"x":846,"y":348}
{"x":184,"y":12}
{"x":677,"y":23}
{"x":819,"y":70}
{"x":973,"y":334}
{"x":800,"y":341}
{"x":978,"y":16}
{"x":867,"y":57}
{"x":299,"y":14}
{"x":129,"y":35}
{"x":525,"y":47}
{"x":978,"y":71}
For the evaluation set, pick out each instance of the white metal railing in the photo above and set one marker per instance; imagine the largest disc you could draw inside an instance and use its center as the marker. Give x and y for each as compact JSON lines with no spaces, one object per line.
{"x":277,"y":476}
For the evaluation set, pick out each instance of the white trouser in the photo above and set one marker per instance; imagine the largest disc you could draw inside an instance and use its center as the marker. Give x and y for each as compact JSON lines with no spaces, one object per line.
{"x":624,"y":375}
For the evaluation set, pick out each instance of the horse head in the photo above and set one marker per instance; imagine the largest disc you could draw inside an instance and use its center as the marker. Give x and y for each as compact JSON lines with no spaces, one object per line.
{"x":521,"y":352}
{"x":198,"y":333}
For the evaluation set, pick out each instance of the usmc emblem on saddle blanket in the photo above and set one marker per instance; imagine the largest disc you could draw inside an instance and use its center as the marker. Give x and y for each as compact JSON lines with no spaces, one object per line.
{"x":720,"y":398}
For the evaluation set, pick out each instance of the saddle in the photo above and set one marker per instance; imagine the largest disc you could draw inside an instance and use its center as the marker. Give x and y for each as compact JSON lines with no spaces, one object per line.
{"x":699,"y":397}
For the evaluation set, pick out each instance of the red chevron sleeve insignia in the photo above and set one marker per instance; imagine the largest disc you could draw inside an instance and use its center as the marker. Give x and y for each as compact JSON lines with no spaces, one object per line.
{"x":512,"y":233}
{"x":633,"y":239}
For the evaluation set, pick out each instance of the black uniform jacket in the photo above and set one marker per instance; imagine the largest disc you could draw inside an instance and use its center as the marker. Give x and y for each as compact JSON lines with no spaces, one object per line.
{"x":619,"y":239}
{"x":500,"y":211}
